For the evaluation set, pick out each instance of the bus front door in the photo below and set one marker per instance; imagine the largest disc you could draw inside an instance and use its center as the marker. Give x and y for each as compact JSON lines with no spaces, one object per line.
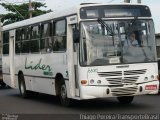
{"x":72,"y":58}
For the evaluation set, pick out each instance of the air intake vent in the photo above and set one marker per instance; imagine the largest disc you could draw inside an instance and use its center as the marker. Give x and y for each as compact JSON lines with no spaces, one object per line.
{"x":120,"y":81}
{"x":130,"y":80}
{"x":110,"y":74}
{"x":135,"y":72}
{"x":114,"y":81}
{"x":124,"y":91}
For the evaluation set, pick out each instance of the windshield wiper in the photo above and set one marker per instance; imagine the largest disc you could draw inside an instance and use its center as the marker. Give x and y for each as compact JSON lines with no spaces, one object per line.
{"x":109,"y":29}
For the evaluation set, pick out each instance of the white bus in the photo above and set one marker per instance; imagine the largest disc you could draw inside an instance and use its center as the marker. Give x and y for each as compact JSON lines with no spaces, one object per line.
{"x":79,"y":53}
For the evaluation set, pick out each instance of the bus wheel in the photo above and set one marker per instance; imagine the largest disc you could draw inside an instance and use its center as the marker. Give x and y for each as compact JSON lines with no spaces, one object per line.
{"x":125,"y":99}
{"x":3,"y":85}
{"x":65,"y":101}
{"x":22,"y":87}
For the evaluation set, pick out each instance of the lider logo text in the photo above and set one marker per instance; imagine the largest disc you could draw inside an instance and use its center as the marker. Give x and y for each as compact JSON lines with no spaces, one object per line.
{"x":38,"y":66}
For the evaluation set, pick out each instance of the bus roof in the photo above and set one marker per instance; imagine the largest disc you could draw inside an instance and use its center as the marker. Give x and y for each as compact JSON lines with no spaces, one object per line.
{"x":52,"y":15}
{"x":41,"y":18}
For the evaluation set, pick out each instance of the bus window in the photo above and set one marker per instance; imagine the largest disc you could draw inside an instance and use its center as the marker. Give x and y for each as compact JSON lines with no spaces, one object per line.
{"x":5,"y":37}
{"x":46,"y":40}
{"x":6,"y":42}
{"x":25,"y":46}
{"x":6,"y":48}
{"x":25,"y":33}
{"x":18,"y":41}
{"x":18,"y":35}
{"x":18,"y":47}
{"x":35,"y":39}
{"x":59,"y":43}
{"x":35,"y":32}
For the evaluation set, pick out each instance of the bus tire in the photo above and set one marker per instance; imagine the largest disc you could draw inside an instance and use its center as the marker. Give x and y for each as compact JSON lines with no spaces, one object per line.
{"x":3,"y":85}
{"x":22,"y":87}
{"x":125,"y":99}
{"x":65,"y":101}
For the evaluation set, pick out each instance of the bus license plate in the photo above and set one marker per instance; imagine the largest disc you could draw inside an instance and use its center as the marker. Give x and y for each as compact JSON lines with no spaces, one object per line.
{"x":150,"y":87}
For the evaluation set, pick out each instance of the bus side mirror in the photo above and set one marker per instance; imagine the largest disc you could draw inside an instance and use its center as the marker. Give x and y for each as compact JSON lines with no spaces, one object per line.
{"x":76,"y":36}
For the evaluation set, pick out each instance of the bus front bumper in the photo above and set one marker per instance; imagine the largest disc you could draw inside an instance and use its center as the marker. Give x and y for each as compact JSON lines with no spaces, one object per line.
{"x":92,"y":92}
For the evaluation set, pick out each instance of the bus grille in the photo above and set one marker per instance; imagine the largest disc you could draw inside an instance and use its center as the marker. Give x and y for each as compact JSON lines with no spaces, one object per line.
{"x":110,"y":74}
{"x":122,"y":77}
{"x":124,"y":91}
{"x":120,"y":81}
{"x":135,"y":72}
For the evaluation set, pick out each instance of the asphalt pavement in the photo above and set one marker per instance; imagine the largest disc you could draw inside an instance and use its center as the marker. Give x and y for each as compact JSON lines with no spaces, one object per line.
{"x":12,"y":103}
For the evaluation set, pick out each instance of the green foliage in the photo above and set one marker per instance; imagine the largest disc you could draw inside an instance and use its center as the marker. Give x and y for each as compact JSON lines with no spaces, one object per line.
{"x":13,"y":16}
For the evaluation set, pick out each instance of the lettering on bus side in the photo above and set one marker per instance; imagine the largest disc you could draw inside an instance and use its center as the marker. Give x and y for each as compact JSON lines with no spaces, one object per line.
{"x":91,"y":70}
{"x":46,"y":68}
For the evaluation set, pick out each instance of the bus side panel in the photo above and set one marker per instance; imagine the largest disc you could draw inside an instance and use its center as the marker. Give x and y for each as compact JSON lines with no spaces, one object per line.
{"x":39,"y":70}
{"x":6,"y":70}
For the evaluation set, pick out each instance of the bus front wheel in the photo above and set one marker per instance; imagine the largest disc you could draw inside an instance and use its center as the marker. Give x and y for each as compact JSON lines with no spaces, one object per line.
{"x":125,"y":99}
{"x":65,"y":101}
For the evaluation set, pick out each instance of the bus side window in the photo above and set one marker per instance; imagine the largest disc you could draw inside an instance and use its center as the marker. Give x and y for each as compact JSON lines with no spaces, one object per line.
{"x":18,"y":41}
{"x":46,"y":40}
{"x":21,"y":35}
{"x":35,"y":39}
{"x":6,"y":42}
{"x":59,"y":43}
{"x":25,"y":40}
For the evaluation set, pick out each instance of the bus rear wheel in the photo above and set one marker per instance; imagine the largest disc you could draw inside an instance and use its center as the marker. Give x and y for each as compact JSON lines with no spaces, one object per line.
{"x":22,"y":87}
{"x":3,"y":85}
{"x":125,"y":99}
{"x":65,"y":101}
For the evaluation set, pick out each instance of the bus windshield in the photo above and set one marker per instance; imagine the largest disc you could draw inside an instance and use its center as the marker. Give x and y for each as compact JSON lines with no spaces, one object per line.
{"x":110,"y":42}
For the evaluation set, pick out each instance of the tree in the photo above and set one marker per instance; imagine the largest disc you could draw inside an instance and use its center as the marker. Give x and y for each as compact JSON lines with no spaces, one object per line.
{"x":20,"y":12}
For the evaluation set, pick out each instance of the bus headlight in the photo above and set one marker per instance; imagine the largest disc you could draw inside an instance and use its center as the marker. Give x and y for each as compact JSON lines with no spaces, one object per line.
{"x":146,"y":78}
{"x":99,"y":82}
{"x":91,"y":81}
{"x":152,"y":77}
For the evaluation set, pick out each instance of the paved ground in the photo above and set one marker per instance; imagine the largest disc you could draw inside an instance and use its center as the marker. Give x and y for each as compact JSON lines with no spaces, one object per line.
{"x":12,"y":103}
